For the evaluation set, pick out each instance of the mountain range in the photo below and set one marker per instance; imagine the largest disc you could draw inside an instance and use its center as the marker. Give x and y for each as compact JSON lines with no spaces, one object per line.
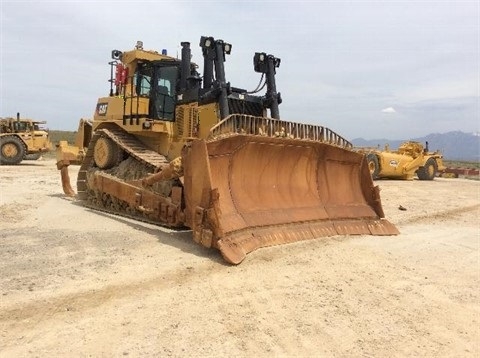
{"x":453,"y":145}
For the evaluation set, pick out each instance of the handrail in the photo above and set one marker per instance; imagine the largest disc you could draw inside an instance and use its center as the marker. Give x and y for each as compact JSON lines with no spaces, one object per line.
{"x":270,"y":127}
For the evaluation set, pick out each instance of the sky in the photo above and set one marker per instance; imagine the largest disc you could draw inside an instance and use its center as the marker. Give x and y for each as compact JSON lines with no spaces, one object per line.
{"x":364,"y":69}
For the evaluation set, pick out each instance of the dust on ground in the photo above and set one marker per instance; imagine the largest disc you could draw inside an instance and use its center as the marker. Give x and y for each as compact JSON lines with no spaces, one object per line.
{"x":76,"y":282}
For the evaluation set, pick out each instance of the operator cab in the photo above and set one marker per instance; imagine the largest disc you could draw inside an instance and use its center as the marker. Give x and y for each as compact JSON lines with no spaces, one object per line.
{"x":157,"y":81}
{"x":20,"y":127}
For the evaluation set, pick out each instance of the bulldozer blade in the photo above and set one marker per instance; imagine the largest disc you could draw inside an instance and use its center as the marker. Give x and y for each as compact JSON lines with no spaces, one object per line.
{"x":243,"y":192}
{"x":67,"y":187}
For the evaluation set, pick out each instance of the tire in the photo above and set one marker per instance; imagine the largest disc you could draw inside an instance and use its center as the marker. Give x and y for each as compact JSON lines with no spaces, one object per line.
{"x":106,"y":153}
{"x":373,"y":165}
{"x":12,"y":150}
{"x":428,"y":171}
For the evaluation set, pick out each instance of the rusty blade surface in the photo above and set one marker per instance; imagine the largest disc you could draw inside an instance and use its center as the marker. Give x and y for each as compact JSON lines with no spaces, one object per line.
{"x":67,"y":187}
{"x":261,"y":191}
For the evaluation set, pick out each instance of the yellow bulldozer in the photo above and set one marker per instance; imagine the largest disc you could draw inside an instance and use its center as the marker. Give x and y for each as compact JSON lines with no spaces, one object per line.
{"x":20,"y":138}
{"x":178,"y":149}
{"x":409,"y":159}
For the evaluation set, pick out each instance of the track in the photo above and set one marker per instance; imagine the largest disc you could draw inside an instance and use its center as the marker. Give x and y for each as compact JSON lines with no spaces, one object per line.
{"x":142,"y":161}
{"x":129,"y":144}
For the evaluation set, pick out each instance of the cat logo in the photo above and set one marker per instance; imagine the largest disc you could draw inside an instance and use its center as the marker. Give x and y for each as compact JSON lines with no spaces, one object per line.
{"x":102,"y":109}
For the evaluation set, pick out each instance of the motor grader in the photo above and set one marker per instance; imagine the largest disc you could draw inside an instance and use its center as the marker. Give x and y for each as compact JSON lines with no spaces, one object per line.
{"x":409,"y":159}
{"x":20,"y":138}
{"x":178,"y":149}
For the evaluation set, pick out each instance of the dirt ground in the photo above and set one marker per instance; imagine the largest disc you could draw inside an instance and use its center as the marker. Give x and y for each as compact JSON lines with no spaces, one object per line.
{"x":75,"y":282}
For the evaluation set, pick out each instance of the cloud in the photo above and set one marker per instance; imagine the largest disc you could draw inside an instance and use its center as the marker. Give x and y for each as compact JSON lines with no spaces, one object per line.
{"x":466,"y":85}
{"x":341,"y":61}
{"x":389,"y":110}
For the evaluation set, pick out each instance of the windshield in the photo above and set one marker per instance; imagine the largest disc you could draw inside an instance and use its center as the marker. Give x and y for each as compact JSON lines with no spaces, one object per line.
{"x":158,"y":82}
{"x":163,"y":96}
{"x":21,"y":126}
{"x":145,"y":86}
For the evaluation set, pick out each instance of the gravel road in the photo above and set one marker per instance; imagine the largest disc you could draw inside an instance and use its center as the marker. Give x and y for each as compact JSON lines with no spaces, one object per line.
{"x":80,"y":283}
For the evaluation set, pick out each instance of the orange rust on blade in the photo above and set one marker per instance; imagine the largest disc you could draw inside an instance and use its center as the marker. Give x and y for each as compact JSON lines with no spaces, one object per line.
{"x":67,"y":188}
{"x":235,"y":247}
{"x":254,"y":191}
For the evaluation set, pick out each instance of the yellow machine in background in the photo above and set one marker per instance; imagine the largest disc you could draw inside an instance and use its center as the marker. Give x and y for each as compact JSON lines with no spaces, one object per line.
{"x":409,"y":159}
{"x":175,"y":148}
{"x":20,"y":138}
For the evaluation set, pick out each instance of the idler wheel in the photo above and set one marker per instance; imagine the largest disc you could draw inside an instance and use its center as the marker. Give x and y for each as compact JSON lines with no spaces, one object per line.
{"x":106,"y":153}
